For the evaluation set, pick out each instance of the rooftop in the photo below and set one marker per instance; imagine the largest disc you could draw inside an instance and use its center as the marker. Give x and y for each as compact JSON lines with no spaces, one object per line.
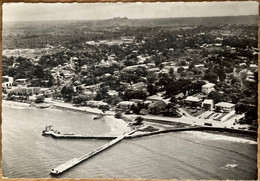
{"x":192,"y":99}
{"x":208,"y":101}
{"x":225,"y":104}
{"x":208,"y":85}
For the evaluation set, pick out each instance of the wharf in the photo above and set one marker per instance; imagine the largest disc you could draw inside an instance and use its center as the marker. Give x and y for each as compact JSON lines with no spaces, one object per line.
{"x":75,"y":161}
{"x":129,"y":136}
{"x":71,"y":136}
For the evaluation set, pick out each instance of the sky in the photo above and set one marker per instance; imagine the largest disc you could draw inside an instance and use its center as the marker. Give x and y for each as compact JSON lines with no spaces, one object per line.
{"x":96,"y":11}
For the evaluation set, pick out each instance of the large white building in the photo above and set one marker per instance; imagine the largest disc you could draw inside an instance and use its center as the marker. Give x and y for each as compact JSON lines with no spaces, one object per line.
{"x":207,"y":88}
{"x":7,"y":82}
{"x":225,"y":106}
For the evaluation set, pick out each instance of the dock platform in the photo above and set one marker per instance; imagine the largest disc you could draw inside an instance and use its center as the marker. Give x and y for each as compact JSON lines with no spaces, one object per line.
{"x":75,"y":161}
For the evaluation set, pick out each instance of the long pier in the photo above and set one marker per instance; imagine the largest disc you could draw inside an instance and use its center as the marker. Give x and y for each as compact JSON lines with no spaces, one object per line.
{"x":130,"y":136}
{"x":75,"y":161}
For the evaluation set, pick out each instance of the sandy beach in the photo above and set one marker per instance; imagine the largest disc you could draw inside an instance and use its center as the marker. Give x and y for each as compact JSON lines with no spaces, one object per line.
{"x":117,"y":126}
{"x":15,"y":104}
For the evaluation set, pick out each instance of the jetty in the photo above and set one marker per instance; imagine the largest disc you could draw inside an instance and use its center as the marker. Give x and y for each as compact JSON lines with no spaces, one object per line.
{"x":75,"y":161}
{"x":56,"y":134}
{"x":129,"y":135}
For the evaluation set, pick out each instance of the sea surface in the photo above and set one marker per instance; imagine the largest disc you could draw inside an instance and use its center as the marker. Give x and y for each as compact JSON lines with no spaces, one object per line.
{"x":181,"y":155}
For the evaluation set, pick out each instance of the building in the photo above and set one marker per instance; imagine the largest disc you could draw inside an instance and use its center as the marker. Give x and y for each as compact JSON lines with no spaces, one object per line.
{"x":96,"y":104}
{"x":207,"y":104}
{"x":253,"y":67}
{"x":125,"y":104}
{"x":27,"y":90}
{"x":157,"y":107}
{"x":7,"y":82}
{"x":153,"y":69}
{"x":207,"y":88}
{"x":127,"y":39}
{"x":193,"y":101}
{"x":134,"y":67}
{"x":224,"y":106}
{"x":199,"y":66}
{"x":138,"y":86}
{"x":21,"y":81}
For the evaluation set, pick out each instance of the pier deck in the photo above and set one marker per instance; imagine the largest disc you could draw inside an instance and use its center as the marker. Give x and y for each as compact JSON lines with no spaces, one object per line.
{"x":75,"y":161}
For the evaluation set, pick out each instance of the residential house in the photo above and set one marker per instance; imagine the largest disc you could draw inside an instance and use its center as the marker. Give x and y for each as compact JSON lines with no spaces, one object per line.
{"x":126,"y":104}
{"x":138,"y":86}
{"x":207,"y":88}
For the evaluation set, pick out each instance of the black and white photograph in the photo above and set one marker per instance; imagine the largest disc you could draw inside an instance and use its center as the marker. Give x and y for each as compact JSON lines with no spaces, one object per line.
{"x":130,"y":90}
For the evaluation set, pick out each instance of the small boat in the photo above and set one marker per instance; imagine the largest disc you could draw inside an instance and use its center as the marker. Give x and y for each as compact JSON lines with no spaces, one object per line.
{"x":47,"y":130}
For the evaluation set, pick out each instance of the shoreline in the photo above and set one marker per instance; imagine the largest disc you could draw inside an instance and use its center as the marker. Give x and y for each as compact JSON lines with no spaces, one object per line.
{"x":119,"y":126}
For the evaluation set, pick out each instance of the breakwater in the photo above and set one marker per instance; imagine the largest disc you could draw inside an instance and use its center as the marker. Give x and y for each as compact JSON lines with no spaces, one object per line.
{"x":130,"y":136}
{"x":202,"y":128}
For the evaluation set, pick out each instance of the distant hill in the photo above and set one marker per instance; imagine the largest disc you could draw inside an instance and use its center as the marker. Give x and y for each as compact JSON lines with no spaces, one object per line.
{"x":252,"y":19}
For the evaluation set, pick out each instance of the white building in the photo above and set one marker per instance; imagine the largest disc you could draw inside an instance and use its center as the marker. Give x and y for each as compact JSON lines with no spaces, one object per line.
{"x":253,"y":67}
{"x":225,"y":106}
{"x":21,"y":81}
{"x":125,"y":104}
{"x":192,"y":101}
{"x":207,"y":104}
{"x":7,"y":82}
{"x":207,"y":88}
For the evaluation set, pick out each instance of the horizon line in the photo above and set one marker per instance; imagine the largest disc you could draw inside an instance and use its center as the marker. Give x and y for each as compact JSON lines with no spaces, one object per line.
{"x":7,"y":21}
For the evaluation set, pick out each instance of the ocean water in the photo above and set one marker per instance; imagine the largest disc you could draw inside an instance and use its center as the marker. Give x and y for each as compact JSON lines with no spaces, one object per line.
{"x":181,"y":155}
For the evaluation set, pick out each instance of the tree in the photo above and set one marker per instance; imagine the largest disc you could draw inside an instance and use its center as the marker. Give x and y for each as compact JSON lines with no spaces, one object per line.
{"x":236,"y":79}
{"x":151,"y":78}
{"x":180,"y":69}
{"x":211,"y":77}
{"x":67,"y":92}
{"x":99,"y":96}
{"x":251,"y":115}
{"x":38,"y":72}
{"x":215,"y":96}
{"x":118,"y":115}
{"x":39,"y":99}
{"x":171,"y":71}
{"x":241,"y":108}
{"x":151,"y":88}
{"x":138,"y":120}
{"x":183,"y":74}
{"x":80,"y":99}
